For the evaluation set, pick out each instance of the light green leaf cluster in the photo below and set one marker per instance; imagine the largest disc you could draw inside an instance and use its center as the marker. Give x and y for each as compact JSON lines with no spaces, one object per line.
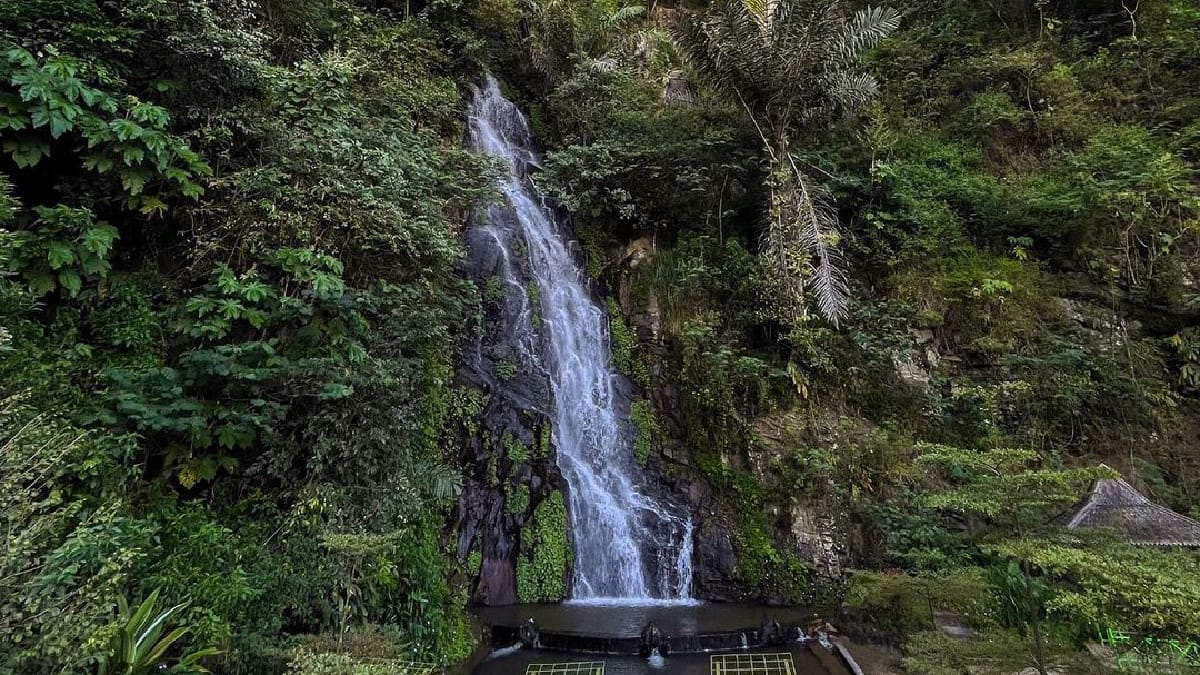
{"x":1003,"y":483}
{"x":546,"y":553}
{"x":1115,"y":585}
{"x":65,"y":248}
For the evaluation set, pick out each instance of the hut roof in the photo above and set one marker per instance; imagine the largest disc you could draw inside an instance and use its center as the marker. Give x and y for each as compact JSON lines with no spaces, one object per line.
{"x":1114,"y":504}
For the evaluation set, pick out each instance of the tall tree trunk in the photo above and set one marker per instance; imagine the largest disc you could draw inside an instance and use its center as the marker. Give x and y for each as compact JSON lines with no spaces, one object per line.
{"x":787,"y":280}
{"x":1035,"y":626}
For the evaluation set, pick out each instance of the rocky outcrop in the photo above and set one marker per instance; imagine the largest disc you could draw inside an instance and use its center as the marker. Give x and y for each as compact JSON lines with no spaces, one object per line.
{"x":716,"y":564}
{"x":508,"y":459}
{"x":819,"y":540}
{"x":814,"y":517}
{"x":507,"y":478}
{"x":802,"y":527}
{"x":916,"y":365}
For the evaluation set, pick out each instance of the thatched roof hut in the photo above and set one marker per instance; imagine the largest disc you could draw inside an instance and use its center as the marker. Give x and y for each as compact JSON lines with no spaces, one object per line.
{"x":1113,"y":504}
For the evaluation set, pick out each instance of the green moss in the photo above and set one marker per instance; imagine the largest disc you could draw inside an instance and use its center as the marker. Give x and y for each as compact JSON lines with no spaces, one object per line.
{"x":465,"y":406}
{"x":648,"y":431}
{"x":545,"y":553}
{"x":774,"y":573}
{"x":493,"y":469}
{"x":506,"y":369}
{"x":517,"y":451}
{"x":493,"y":290}
{"x":760,"y":566}
{"x":543,"y":445}
{"x":625,"y":347}
{"x":534,"y":292}
{"x":929,"y":318}
{"x":516,"y":498}
{"x":474,"y":563}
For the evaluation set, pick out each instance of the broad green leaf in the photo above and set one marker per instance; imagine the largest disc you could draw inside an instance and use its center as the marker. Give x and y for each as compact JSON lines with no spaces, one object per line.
{"x":59,"y":255}
{"x":335,"y":391}
{"x":69,"y":279}
{"x":40,"y":283}
{"x":27,"y":152}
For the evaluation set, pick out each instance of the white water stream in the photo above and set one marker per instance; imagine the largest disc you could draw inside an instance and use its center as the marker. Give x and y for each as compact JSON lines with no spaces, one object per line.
{"x":629,"y":548}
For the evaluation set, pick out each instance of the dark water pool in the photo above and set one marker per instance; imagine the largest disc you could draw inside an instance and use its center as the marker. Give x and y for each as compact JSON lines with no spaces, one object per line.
{"x":623,"y":622}
{"x":628,"y":620}
{"x":690,"y":664}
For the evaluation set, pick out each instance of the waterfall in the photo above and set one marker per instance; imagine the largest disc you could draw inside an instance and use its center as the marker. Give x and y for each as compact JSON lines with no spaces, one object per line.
{"x":629,"y":546}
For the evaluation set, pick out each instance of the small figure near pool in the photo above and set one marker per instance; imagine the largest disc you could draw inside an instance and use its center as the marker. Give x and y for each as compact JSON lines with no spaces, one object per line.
{"x":529,"y":633}
{"x":653,"y":640}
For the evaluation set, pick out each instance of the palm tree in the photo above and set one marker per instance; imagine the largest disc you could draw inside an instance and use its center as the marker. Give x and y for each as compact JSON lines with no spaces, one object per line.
{"x":793,"y":65}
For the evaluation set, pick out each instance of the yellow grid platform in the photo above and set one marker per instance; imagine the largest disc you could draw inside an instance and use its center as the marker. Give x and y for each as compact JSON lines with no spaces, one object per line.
{"x":752,"y":664}
{"x":568,"y":668}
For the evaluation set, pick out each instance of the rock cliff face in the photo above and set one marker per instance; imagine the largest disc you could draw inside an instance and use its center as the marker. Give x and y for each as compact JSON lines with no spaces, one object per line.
{"x":509,"y":462}
{"x":805,"y":519}
{"x":807,"y":527}
{"x":798,"y":533}
{"x":512,"y":476}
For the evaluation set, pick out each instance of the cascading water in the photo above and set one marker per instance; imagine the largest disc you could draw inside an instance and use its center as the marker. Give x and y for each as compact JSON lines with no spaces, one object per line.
{"x":629,"y":547}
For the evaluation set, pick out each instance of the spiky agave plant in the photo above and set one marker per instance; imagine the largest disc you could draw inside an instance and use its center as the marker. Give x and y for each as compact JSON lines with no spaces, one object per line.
{"x":793,"y":65}
{"x":138,"y":646}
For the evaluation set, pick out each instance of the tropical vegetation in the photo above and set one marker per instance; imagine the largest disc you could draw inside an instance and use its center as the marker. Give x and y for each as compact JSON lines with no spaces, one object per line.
{"x":914,"y":271}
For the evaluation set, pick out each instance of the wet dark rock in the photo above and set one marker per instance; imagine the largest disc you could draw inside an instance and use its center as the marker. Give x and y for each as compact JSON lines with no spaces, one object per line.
{"x":771,"y":633}
{"x":497,"y":582}
{"x":715,"y":564}
{"x":499,"y":363}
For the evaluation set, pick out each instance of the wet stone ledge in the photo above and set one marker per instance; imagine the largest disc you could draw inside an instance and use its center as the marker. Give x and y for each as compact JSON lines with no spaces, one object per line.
{"x":725,"y":641}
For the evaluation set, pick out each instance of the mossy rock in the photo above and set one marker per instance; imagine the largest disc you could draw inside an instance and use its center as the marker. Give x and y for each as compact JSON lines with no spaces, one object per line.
{"x":546,"y":555}
{"x":649,"y":432}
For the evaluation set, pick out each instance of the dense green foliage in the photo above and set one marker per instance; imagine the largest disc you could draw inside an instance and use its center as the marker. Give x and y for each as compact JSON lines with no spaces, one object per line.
{"x":228,"y":308}
{"x":232,"y":302}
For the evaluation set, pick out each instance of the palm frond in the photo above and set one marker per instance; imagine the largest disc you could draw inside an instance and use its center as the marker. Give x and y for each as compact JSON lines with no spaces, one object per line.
{"x":442,"y":482}
{"x":624,"y":14}
{"x":853,"y":91}
{"x":792,"y":65}
{"x":779,"y":12}
{"x":728,"y":48}
{"x":867,"y":28}
{"x":819,"y":236}
{"x":801,"y":245}
{"x":758,"y":8}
